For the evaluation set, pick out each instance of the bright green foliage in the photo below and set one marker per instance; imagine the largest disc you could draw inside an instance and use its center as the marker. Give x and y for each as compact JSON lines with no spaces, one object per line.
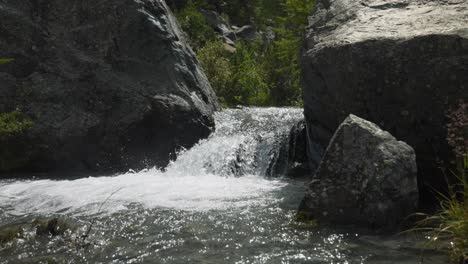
{"x":258,"y":73}
{"x":250,"y":78}
{"x":214,"y":60}
{"x":237,"y":78}
{"x":12,"y":124}
{"x":3,"y":61}
{"x":194,"y":24}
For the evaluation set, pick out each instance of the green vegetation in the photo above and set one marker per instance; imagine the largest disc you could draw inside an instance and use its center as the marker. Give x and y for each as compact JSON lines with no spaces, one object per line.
{"x":450,"y":223}
{"x":3,"y":61}
{"x":13,"y":152}
{"x":259,"y":72}
{"x":12,"y":124}
{"x":304,"y":221}
{"x":194,"y":24}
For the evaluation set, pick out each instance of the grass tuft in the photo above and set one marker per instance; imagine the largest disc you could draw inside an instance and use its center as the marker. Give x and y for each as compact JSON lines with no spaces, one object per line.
{"x":449,"y":225}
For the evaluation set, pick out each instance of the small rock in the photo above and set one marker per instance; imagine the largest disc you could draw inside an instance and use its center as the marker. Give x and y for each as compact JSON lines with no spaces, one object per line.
{"x":54,"y":227}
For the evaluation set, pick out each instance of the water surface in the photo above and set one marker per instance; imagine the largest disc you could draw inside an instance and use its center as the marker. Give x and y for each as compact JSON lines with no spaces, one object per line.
{"x":215,"y":204}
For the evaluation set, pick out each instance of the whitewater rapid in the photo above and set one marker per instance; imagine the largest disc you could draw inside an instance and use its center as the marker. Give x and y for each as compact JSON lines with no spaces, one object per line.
{"x":227,"y":170}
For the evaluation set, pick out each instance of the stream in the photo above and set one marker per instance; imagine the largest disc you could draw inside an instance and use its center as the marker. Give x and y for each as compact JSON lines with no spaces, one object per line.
{"x":215,"y":204}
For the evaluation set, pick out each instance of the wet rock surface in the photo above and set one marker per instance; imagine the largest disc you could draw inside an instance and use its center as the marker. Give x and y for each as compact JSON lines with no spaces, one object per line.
{"x":400,"y":64}
{"x":109,"y":86}
{"x":366,"y":177}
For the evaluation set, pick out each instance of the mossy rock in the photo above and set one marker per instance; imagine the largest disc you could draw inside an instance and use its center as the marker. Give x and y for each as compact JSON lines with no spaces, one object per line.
{"x":15,"y":148}
{"x":304,"y":221}
{"x":10,"y":233}
{"x":52,"y":227}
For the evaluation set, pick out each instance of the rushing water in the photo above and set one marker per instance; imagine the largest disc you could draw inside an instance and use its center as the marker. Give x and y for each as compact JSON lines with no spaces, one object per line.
{"x":215,"y":204}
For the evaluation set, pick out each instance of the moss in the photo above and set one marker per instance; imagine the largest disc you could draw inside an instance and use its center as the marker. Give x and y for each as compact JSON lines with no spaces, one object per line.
{"x":13,"y":145}
{"x":10,"y":233}
{"x":4,"y":61}
{"x":304,"y":221}
{"x":12,"y":124}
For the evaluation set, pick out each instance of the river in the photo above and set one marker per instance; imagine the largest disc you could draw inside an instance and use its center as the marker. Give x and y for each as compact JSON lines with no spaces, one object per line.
{"x":215,"y":204}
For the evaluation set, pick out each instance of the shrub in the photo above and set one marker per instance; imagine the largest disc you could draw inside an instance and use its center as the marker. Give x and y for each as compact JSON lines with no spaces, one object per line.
{"x":214,"y":60}
{"x":250,"y":78}
{"x":259,"y":73}
{"x":194,"y":24}
{"x":450,"y":223}
{"x":12,"y":124}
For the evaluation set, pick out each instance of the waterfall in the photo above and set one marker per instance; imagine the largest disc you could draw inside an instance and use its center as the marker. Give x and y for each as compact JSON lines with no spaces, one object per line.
{"x":228,"y":169}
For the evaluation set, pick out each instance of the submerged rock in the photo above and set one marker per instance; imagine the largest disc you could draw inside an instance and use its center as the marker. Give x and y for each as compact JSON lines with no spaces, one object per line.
{"x":366,"y":177}
{"x":52,"y":227}
{"x":109,"y":86}
{"x":400,"y":64}
{"x":10,"y":233}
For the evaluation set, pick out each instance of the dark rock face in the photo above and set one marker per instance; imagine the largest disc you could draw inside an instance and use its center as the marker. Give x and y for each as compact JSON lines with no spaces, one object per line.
{"x":366,"y":177}
{"x":292,"y":158}
{"x":109,"y":85}
{"x":298,"y":163}
{"x":401,"y":65}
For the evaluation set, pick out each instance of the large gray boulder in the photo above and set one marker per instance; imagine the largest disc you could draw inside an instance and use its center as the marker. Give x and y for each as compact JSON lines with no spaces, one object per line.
{"x":366,"y":177}
{"x":401,"y":64}
{"x":109,"y":85}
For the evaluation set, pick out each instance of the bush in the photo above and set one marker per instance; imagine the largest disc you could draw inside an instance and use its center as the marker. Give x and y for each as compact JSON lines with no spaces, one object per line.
{"x":194,"y":24}
{"x":214,"y":60}
{"x":258,"y":73}
{"x":12,"y":124}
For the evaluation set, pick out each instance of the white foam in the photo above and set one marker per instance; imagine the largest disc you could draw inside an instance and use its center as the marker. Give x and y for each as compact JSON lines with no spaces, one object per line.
{"x":201,"y":178}
{"x":151,"y":189}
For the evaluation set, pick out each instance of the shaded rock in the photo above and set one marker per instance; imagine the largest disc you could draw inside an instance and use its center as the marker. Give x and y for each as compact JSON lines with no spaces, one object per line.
{"x":400,"y":64}
{"x":51,"y":227}
{"x":218,"y":23}
{"x":247,"y":32}
{"x":292,"y":159}
{"x":298,"y":162}
{"x":231,"y":36}
{"x":229,"y":42}
{"x":366,"y":177}
{"x":108,"y":86}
